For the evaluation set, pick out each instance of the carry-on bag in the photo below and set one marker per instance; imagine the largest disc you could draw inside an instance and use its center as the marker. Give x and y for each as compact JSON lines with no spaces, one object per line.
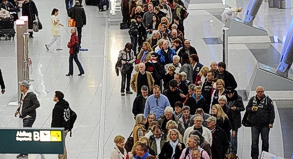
{"x":124,"y":26}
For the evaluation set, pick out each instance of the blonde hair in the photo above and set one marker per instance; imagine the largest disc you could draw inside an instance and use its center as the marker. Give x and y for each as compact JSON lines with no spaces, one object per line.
{"x":222,"y":98}
{"x":149,"y":48}
{"x":165,"y":19}
{"x":138,"y":8}
{"x":171,"y":123}
{"x":220,"y":81}
{"x":203,"y":69}
{"x":145,"y":138}
{"x":220,"y":112}
{"x":178,"y":134}
{"x":118,"y":139}
{"x":160,"y":42}
{"x":197,"y":88}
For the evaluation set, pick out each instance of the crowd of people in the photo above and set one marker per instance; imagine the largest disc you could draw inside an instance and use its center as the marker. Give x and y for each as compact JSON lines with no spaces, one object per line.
{"x":183,"y":109}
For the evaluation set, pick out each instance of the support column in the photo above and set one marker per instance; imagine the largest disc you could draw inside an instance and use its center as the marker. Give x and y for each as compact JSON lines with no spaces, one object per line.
{"x":251,"y":11}
{"x":225,"y":45}
{"x":287,"y":54}
{"x":19,"y":52}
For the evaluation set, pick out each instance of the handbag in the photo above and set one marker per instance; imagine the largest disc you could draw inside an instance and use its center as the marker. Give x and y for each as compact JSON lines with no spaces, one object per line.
{"x":71,"y":21}
{"x":157,"y":75}
{"x":246,"y":121}
{"x":129,"y":143}
{"x":76,"y":46}
{"x":137,"y":61}
{"x":40,"y":24}
{"x":127,"y":68}
{"x":35,"y":26}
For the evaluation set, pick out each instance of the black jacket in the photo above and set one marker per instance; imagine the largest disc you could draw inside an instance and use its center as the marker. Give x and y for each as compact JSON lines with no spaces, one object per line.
{"x":173,"y":97}
{"x":61,"y":115}
{"x":151,"y":27}
{"x":220,"y":142}
{"x":228,"y":79}
{"x":77,"y":13}
{"x":207,"y":90}
{"x":138,"y":106}
{"x":167,"y":79}
{"x":33,"y":11}
{"x":1,"y":81}
{"x":236,"y":101}
{"x":191,"y":102}
{"x":191,"y":51}
{"x":184,"y":86}
{"x":264,"y":115}
{"x":161,"y":15}
{"x":29,"y":106}
{"x":230,"y":115}
{"x":225,"y":125}
{"x":167,"y":151}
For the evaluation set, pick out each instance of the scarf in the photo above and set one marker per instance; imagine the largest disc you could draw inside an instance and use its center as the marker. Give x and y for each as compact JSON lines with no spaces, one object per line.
{"x":173,"y":145}
{"x":144,"y":56}
{"x":121,"y":149}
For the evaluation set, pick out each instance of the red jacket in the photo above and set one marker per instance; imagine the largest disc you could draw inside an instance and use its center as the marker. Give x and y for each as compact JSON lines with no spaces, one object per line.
{"x":72,"y":42}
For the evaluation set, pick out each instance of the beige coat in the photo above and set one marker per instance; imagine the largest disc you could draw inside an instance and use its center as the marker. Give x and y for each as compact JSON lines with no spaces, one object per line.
{"x":55,"y":28}
{"x":133,"y":81}
{"x":116,"y":154}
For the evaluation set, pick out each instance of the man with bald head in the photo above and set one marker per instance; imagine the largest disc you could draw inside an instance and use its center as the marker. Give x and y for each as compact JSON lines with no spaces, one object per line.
{"x":187,"y":49}
{"x":141,"y":78}
{"x":262,"y":116}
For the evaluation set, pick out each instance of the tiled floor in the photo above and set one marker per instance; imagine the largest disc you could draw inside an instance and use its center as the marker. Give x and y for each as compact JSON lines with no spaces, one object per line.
{"x":102,"y":112}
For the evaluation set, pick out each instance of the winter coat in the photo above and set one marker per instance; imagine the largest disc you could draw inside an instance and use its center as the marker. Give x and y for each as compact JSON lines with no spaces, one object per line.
{"x":220,"y":142}
{"x":193,"y":104}
{"x":72,"y":42}
{"x":61,"y":115}
{"x":134,"y":79}
{"x":179,"y":123}
{"x":135,"y":132}
{"x":166,"y":57}
{"x":167,"y":151}
{"x":236,"y":101}
{"x":206,"y":133}
{"x":116,"y":154}
{"x":123,"y":57}
{"x":173,"y":97}
{"x":153,"y":144}
{"x":77,"y":13}
{"x":265,"y":114}
{"x":55,"y":25}
{"x":191,"y":74}
{"x":225,"y":125}
{"x":155,"y":67}
{"x":228,"y":79}
{"x":138,"y":105}
{"x":191,"y":49}
{"x":33,"y":11}
{"x":29,"y":105}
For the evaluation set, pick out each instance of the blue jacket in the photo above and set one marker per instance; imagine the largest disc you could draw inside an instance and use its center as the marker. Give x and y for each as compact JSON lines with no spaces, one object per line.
{"x":162,"y":56}
{"x":143,"y":157}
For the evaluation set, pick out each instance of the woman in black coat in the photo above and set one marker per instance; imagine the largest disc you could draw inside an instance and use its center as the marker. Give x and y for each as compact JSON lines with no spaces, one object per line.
{"x":29,"y":9}
{"x":173,"y":143}
{"x":154,"y":24}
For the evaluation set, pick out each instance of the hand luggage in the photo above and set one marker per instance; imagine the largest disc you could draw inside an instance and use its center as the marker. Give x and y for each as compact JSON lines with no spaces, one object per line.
{"x":6,"y":24}
{"x":124,"y":26}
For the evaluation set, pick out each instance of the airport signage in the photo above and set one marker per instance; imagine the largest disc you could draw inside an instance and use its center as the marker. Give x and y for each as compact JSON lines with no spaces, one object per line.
{"x":32,"y":140}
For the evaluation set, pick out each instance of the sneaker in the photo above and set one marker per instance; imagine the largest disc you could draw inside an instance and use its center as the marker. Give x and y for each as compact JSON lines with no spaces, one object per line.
{"x":59,"y":49}
{"x":21,"y":156}
{"x":122,"y":94}
{"x":128,"y":92}
{"x":47,"y":47}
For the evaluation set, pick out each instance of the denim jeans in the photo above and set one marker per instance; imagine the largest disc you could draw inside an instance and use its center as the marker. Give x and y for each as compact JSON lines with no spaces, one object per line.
{"x":79,"y":31}
{"x":234,"y":142}
{"x":134,"y":43}
{"x":68,"y":4}
{"x":123,"y":81}
{"x":264,"y":132}
{"x":75,"y":58}
{"x":28,"y":122}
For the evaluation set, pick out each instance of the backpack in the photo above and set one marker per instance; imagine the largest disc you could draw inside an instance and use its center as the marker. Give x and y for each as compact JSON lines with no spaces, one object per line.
{"x":76,"y":46}
{"x":72,"y":120}
{"x":187,"y":152}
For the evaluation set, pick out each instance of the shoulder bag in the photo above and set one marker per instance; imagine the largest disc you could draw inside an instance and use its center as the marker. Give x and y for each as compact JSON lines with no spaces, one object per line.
{"x":129,"y":143}
{"x":127,"y":68}
{"x":245,"y":121}
{"x":72,"y":21}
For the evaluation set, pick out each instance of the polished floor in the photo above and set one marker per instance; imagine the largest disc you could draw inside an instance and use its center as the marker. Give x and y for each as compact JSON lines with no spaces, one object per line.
{"x":102,"y":112}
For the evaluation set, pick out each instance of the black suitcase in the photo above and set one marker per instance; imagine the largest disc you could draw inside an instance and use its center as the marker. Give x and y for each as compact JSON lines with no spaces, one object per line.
{"x":6,"y":24}
{"x":124,"y":26}
{"x":91,"y":2}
